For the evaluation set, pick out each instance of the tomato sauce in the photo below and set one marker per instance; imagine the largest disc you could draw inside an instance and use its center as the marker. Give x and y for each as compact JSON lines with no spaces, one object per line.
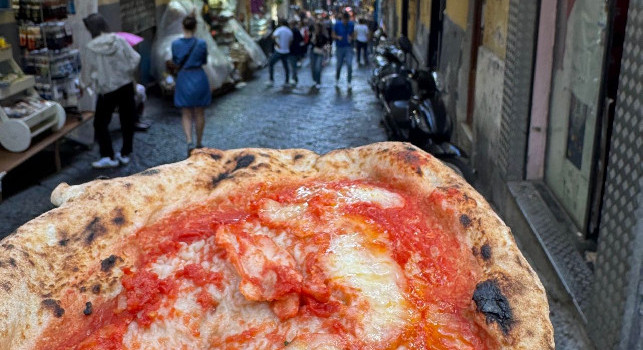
{"x":441,"y":291}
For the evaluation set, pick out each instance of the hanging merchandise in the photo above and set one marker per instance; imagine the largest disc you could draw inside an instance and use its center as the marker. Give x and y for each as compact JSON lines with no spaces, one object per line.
{"x":258,"y":58}
{"x":233,"y":39}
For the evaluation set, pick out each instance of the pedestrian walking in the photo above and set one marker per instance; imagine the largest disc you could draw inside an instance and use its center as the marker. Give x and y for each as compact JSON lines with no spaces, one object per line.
{"x":192,"y":92}
{"x":362,"y":36}
{"x":319,"y":41}
{"x":297,"y":50}
{"x":344,"y":35}
{"x":110,"y":63}
{"x":282,"y":37}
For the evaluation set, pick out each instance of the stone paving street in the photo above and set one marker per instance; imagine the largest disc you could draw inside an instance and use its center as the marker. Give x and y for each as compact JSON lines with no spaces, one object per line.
{"x":251,"y":116}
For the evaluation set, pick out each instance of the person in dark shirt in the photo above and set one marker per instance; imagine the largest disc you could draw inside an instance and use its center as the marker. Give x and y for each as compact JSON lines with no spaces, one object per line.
{"x":318,"y":41}
{"x":344,"y":36}
{"x":297,"y":49}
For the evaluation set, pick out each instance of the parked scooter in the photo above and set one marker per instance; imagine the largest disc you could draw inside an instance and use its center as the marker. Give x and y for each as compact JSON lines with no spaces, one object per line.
{"x":387,"y":59}
{"x":415,"y":112}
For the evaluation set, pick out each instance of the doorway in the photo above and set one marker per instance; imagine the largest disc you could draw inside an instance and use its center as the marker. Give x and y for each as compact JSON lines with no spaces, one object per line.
{"x":584,"y":84}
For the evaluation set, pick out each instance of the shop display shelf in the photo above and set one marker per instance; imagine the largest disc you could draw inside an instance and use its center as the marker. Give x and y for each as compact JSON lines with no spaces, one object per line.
{"x":21,"y":84}
{"x":6,"y":54}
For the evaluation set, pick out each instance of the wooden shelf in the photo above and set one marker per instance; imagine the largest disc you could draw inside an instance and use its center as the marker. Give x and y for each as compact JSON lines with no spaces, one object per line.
{"x":10,"y":160}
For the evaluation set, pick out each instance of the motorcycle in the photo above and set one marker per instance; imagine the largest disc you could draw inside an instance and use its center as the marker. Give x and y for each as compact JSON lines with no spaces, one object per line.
{"x":415,"y":112}
{"x":387,"y":59}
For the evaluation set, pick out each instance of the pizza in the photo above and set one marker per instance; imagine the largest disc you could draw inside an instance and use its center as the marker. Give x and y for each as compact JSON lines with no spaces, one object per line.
{"x":375,"y":247}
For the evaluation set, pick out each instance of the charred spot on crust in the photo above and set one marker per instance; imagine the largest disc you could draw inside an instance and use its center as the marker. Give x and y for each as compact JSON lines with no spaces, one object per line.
{"x":96,"y":288}
{"x":88,"y":308}
{"x":8,"y":246}
{"x":244,"y":161}
{"x":83,"y":289}
{"x":485,"y":251}
{"x":215,"y":156}
{"x":6,"y":286}
{"x":119,"y":218}
{"x":219,"y":178}
{"x":12,"y":262}
{"x":149,"y":172}
{"x":411,"y":157}
{"x":54,"y":306}
{"x":409,"y":148}
{"x":493,"y":304}
{"x":94,"y":229}
{"x":63,"y":242}
{"x":298,"y":156}
{"x":465,"y":220}
{"x":108,"y":263}
{"x":418,"y":171}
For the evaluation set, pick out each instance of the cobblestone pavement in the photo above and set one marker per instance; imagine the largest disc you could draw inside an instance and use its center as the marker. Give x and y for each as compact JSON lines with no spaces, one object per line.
{"x":252,"y":116}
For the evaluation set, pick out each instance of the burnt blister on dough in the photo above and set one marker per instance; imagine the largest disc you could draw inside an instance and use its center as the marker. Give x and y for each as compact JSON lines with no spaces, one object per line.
{"x":107,"y":263}
{"x":485,"y":251}
{"x":94,"y":229}
{"x":493,"y":304}
{"x":54,"y":306}
{"x":244,"y":161}
{"x":88,"y":308}
{"x":465,"y":220}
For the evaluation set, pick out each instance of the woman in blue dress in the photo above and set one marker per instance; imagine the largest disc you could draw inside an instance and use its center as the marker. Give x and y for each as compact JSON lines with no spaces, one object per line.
{"x":192,"y":93}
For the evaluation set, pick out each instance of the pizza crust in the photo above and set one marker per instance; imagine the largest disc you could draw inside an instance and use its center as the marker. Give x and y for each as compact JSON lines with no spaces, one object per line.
{"x":44,"y":257}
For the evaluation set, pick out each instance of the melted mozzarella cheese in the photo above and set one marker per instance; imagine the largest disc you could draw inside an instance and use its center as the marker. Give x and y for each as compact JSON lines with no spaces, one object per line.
{"x":365,"y":194}
{"x":377,"y":312}
{"x":377,"y":279}
{"x":278,"y":212}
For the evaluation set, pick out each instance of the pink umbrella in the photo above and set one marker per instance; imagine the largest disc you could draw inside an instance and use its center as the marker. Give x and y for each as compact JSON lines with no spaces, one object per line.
{"x":131,"y":39}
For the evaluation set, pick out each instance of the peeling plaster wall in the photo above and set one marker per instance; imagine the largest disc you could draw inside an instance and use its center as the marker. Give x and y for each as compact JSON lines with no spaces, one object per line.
{"x":486,"y":121}
{"x":454,"y":70}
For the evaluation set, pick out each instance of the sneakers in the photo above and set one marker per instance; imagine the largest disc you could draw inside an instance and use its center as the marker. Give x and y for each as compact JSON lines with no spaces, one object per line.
{"x":124,"y":160}
{"x":105,"y":162}
{"x":141,"y":126}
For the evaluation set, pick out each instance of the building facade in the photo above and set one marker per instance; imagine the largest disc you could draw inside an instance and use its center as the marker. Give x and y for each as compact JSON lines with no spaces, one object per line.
{"x":547,"y":98}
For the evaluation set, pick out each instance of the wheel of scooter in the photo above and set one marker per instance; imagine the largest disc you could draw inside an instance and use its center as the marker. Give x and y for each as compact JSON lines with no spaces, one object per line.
{"x":461,"y":168}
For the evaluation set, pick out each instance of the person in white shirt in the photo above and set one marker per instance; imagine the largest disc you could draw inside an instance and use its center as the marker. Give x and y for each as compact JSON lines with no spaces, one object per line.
{"x":109,"y":72}
{"x":282,"y":36}
{"x":362,"y":36}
